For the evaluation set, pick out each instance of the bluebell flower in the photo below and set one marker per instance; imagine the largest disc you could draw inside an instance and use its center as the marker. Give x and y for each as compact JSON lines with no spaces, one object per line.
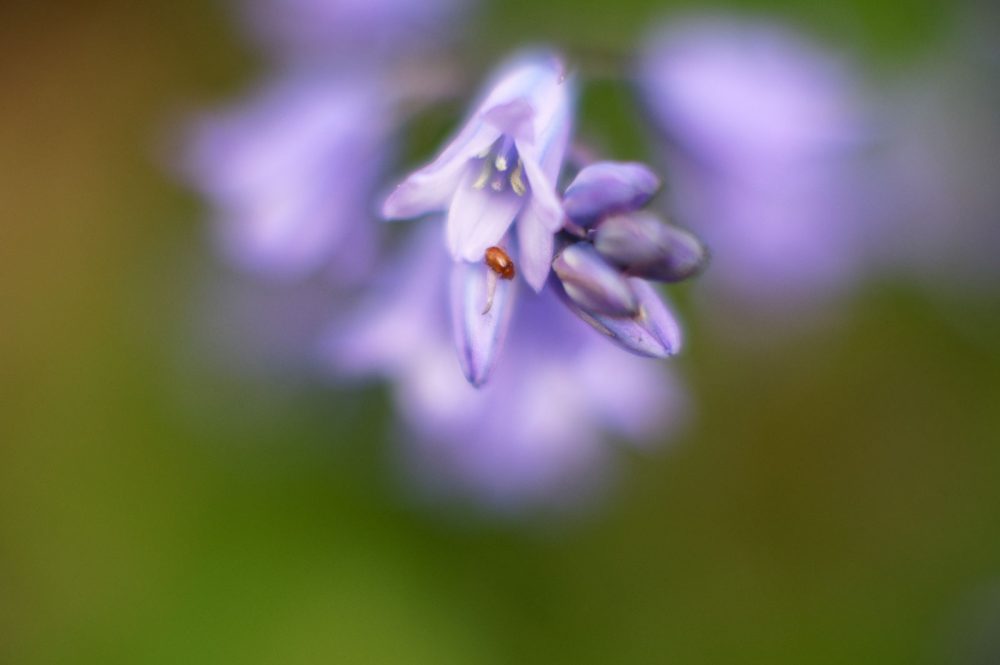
{"x":762,"y":133}
{"x":537,"y":433}
{"x":501,"y":166}
{"x":289,"y":174}
{"x":613,"y":249}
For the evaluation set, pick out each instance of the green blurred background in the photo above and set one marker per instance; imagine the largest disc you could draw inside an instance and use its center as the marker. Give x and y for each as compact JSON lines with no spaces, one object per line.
{"x":834,"y":501}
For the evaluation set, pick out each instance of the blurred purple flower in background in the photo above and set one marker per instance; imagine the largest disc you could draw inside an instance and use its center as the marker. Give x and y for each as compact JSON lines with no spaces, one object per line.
{"x":763,"y":132}
{"x":352,"y":30}
{"x":291,"y":172}
{"x":938,"y":167}
{"x":537,"y":433}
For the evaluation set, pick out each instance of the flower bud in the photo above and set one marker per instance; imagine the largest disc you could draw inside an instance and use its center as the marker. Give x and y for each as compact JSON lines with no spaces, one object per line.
{"x":643,"y":246}
{"x":652,"y":331}
{"x":607,"y":188}
{"x":592,"y":283}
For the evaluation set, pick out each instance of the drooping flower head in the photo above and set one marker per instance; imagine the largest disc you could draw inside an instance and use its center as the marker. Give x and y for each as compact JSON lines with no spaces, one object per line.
{"x":502,"y":166}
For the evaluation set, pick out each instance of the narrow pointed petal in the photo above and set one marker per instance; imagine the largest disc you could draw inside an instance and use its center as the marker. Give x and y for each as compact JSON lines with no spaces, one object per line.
{"x":592,"y":283}
{"x":478,"y":218}
{"x":535,"y":244}
{"x":479,"y":336}
{"x":653,"y":332}
{"x":431,"y":188}
{"x":420,"y":194}
{"x":645,"y":247}
{"x":606,"y":188}
{"x":543,"y":191}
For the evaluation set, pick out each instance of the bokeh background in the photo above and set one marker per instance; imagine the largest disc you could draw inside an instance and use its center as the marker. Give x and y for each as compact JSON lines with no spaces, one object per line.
{"x":834,"y":499}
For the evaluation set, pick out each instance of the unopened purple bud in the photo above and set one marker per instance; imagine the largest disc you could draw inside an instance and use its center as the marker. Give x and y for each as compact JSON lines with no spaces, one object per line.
{"x":652,"y":332}
{"x":592,"y":283}
{"x":607,"y":188}
{"x":480,"y":311}
{"x":643,"y":246}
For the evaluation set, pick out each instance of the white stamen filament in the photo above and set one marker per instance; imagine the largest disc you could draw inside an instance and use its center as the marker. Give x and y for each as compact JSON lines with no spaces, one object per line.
{"x":491,"y":288}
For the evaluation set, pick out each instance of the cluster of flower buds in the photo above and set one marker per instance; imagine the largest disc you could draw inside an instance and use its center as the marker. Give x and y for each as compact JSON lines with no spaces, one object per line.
{"x":611,"y":247}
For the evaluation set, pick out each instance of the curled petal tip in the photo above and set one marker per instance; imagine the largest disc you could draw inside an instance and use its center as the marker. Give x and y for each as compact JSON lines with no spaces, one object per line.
{"x":607,"y":188}
{"x":643,"y":246}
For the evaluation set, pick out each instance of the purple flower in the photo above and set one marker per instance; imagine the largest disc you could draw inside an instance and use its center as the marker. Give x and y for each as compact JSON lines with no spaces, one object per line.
{"x":763,"y":130}
{"x":601,"y":271}
{"x":348,"y":29}
{"x":501,"y":165}
{"x":289,"y":174}
{"x":537,"y":433}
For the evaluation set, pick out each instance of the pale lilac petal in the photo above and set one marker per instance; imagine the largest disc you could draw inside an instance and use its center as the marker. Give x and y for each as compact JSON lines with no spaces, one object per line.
{"x":607,"y":188}
{"x":543,"y":192}
{"x":643,"y":246}
{"x":514,"y":118}
{"x":533,"y":76}
{"x":535,"y":244}
{"x":478,"y":218}
{"x":431,"y":188}
{"x":592,"y":283}
{"x":511,"y":106}
{"x":421,"y":194}
{"x":479,"y":334}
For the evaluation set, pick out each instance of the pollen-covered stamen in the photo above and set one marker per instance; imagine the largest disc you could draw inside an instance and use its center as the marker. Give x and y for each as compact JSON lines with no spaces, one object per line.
{"x":506,"y":153}
{"x":501,"y":266}
{"x":517,"y":180}
{"x":501,"y":165}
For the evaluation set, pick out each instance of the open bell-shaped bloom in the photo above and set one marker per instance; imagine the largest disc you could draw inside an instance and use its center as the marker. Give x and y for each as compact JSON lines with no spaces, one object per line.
{"x":501,"y":166}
